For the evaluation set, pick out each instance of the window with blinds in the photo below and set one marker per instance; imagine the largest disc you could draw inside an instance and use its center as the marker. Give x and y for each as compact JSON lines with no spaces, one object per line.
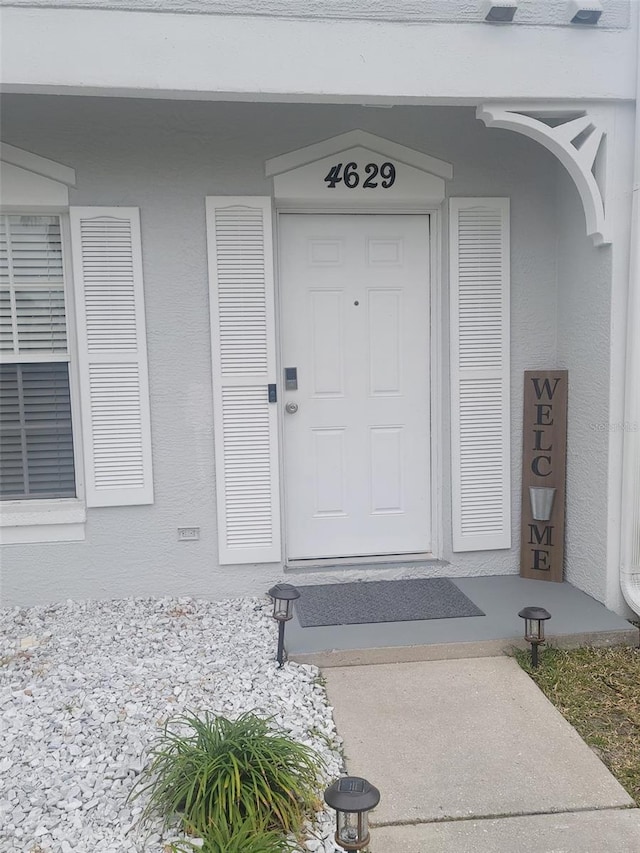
{"x":36,"y":441}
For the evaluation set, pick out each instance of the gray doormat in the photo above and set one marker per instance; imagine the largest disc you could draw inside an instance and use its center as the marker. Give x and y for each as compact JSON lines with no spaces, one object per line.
{"x":382,"y":601}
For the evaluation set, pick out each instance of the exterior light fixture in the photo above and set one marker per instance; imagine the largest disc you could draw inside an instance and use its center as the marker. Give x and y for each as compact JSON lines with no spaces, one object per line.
{"x":585,"y":12}
{"x":541,"y":498}
{"x":499,"y":11}
{"x":283,"y":595}
{"x":352,"y":798}
{"x":534,"y":619}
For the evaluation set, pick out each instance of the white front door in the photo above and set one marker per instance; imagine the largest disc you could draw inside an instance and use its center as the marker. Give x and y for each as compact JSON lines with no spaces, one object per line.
{"x":355,"y":326}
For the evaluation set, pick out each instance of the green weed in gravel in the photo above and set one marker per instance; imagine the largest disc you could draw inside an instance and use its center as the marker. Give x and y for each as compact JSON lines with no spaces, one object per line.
{"x":598,"y":692}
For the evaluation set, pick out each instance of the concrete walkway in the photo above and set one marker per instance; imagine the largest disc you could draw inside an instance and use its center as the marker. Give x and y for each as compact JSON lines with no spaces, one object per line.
{"x":470,"y":756}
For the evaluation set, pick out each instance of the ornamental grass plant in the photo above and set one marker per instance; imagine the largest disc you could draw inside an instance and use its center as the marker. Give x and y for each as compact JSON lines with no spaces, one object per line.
{"x":232,"y":776}
{"x":243,"y":838}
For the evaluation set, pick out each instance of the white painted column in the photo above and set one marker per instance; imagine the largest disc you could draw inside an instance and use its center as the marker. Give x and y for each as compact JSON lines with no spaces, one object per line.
{"x":630,"y":521}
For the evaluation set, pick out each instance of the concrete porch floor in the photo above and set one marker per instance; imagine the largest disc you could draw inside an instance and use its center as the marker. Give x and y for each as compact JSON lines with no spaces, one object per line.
{"x":577,"y":619}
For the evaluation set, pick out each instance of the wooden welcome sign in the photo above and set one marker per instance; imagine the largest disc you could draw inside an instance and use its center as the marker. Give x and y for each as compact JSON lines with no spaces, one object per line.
{"x":543,"y":474}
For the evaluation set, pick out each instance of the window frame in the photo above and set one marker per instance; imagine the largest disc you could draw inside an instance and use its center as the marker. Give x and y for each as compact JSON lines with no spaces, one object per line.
{"x":27,"y":520}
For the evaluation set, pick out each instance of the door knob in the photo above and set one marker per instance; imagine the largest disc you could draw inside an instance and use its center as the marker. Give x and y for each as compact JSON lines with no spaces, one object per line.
{"x":291,"y":408}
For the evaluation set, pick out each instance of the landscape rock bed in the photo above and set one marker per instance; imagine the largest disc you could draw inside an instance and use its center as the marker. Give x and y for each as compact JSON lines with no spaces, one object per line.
{"x":85,"y":688}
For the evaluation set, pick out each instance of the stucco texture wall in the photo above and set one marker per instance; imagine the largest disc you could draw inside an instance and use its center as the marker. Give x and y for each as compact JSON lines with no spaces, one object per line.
{"x":165,"y":157}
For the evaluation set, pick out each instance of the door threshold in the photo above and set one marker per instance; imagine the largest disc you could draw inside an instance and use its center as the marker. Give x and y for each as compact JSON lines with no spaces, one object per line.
{"x":372,"y":560}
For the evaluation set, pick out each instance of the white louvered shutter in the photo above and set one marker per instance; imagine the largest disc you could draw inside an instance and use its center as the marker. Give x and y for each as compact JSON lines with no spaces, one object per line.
{"x":114,"y":383}
{"x":480,"y":411}
{"x":240,"y":246}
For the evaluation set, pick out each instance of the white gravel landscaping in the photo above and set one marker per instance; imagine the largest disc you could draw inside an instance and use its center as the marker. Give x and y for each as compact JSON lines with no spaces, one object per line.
{"x":85,"y":688}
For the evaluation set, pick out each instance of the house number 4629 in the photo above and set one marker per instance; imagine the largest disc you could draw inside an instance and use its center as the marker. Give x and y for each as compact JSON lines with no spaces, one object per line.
{"x":351,"y":176}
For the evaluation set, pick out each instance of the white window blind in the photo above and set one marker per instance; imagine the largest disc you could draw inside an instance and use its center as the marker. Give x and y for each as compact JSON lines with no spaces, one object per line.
{"x":36,"y":453}
{"x":480,"y":370}
{"x":36,"y":458}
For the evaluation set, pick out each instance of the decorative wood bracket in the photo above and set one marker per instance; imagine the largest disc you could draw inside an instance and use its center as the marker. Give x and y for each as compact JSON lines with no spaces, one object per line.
{"x":577,"y":136}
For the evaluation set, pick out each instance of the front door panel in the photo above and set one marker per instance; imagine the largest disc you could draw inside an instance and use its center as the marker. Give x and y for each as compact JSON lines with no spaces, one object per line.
{"x":355,"y":324}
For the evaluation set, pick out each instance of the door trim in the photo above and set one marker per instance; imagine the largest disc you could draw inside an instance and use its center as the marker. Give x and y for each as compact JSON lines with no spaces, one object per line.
{"x":434,"y":215}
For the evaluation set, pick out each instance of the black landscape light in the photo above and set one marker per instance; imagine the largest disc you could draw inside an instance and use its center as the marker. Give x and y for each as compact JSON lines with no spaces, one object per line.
{"x":352,"y":798}
{"x":283,"y":595}
{"x":534,"y":619}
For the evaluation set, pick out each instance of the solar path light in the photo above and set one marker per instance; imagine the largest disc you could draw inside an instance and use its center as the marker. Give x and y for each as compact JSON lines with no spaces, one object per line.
{"x":283,"y":595}
{"x":352,"y":798}
{"x":534,"y":619}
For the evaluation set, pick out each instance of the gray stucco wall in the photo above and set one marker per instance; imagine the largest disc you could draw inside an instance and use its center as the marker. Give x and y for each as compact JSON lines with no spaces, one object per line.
{"x":165,"y":157}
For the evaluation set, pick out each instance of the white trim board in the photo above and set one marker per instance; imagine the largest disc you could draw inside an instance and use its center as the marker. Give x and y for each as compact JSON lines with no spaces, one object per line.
{"x":354,"y":139}
{"x":37,"y":164}
{"x":71,"y":51}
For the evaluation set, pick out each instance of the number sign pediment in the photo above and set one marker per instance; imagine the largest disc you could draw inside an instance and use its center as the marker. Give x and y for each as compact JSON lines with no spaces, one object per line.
{"x":29,"y":180}
{"x":358,"y":177}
